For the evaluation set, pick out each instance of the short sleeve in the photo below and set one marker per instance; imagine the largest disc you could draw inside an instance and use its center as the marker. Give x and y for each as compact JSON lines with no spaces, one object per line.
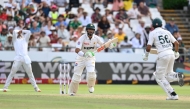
{"x":151,"y":39}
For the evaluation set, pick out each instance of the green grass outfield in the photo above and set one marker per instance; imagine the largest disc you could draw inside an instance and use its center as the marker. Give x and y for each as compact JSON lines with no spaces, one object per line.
{"x":104,"y":97}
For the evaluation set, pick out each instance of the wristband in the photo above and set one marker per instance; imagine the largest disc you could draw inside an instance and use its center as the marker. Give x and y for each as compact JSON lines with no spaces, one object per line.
{"x":80,"y":53}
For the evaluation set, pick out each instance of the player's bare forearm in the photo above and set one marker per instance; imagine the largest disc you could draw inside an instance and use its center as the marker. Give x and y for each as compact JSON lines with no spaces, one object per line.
{"x":176,"y":46}
{"x":19,"y":32}
{"x":77,"y":50}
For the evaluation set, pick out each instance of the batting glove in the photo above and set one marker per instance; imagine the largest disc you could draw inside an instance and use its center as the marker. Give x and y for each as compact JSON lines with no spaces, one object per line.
{"x":112,"y":45}
{"x":145,"y":58}
{"x":89,"y":54}
{"x":176,"y":55}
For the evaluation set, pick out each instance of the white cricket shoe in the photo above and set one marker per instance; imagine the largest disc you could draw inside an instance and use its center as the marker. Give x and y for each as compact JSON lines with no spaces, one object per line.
{"x":5,"y":90}
{"x":91,"y":89}
{"x":37,"y":89}
{"x":72,"y":94}
{"x":172,"y":97}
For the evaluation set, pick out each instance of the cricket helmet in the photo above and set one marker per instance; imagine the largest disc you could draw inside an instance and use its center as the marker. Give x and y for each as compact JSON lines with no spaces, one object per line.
{"x":90,"y":27}
{"x":156,"y":23}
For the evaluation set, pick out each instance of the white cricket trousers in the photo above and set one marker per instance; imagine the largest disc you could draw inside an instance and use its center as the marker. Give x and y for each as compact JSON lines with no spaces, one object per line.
{"x":164,"y":65}
{"x":82,"y":62}
{"x":164,"y":72}
{"x":15,"y":67}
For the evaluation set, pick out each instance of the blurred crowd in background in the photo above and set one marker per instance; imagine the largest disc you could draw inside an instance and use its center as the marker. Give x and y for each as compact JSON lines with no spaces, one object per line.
{"x":57,"y":24}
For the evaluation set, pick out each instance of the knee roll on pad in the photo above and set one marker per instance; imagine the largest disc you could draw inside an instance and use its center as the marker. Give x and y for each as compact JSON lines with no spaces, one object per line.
{"x":91,"y":79}
{"x":91,"y":75}
{"x":76,"y":78}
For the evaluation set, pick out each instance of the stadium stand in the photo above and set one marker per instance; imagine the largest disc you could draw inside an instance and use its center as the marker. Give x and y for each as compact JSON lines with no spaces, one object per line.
{"x":70,"y":26}
{"x":181,"y":19}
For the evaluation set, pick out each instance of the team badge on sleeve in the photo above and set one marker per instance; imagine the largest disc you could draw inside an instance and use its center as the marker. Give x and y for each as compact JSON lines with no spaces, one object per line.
{"x":78,"y":43}
{"x":76,"y":64}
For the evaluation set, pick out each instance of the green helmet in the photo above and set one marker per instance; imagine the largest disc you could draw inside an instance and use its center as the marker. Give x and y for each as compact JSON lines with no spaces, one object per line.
{"x":90,"y":26}
{"x":156,"y":23}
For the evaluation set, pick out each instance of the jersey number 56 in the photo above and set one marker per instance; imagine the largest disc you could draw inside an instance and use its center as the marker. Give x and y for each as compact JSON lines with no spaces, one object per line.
{"x":163,"y":39}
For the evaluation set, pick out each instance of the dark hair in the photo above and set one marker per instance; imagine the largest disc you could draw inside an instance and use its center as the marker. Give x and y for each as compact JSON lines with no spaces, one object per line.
{"x":97,"y":9}
{"x":116,"y":0}
{"x":31,"y":37}
{"x":20,"y":21}
{"x":104,"y":21}
{"x":42,"y":32}
{"x":60,"y":16}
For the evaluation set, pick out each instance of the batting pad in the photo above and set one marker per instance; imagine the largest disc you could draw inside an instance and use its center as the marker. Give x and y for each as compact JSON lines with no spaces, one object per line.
{"x":91,"y":79}
{"x":73,"y":88}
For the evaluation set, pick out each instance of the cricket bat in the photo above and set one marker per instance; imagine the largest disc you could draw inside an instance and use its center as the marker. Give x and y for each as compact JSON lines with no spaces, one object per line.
{"x":106,"y":45}
{"x":153,"y":51}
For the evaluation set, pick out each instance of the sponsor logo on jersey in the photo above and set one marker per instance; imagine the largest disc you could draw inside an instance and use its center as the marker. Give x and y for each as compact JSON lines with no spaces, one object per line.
{"x":86,"y":43}
{"x":78,"y":43}
{"x":88,"y":48}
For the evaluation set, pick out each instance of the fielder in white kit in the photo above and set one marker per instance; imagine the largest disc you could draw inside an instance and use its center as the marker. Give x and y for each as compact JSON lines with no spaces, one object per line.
{"x":164,"y":73}
{"x":85,"y":47}
{"x":20,"y":42}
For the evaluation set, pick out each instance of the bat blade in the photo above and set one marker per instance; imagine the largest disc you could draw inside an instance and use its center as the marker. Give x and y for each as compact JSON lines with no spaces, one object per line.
{"x":107,"y":44}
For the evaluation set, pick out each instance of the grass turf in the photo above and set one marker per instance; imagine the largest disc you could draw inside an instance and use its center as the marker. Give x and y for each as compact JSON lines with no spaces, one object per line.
{"x":105,"y":97}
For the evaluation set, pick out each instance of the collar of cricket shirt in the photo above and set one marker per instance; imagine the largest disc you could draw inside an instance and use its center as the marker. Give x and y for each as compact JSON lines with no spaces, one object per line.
{"x":89,"y":38}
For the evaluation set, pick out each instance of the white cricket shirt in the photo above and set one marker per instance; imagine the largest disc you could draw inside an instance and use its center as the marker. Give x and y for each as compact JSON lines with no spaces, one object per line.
{"x":21,"y":46}
{"x":85,"y":44}
{"x":163,"y":40}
